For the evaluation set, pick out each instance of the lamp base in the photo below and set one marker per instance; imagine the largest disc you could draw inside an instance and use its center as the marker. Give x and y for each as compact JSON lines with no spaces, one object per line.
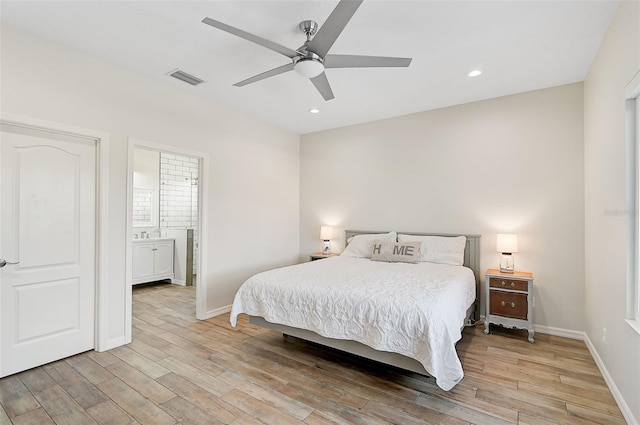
{"x":326,"y":247}
{"x":506,"y":263}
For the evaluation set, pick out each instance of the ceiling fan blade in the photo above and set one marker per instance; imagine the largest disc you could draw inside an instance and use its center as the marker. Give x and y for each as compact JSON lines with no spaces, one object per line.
{"x":333,"y":26}
{"x":355,"y":61}
{"x":275,"y":71}
{"x":253,"y":38}
{"x":322,"y":84}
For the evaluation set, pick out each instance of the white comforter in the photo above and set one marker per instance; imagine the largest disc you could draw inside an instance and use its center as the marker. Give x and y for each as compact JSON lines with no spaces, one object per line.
{"x":416,"y":310}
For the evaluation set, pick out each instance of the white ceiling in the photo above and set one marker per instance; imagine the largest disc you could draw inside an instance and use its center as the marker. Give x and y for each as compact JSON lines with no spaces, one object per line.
{"x":519,"y":45}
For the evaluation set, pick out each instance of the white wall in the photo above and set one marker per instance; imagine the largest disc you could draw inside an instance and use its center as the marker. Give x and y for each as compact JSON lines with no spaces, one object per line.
{"x":511,"y":164}
{"x":253,"y":189}
{"x":616,"y":63}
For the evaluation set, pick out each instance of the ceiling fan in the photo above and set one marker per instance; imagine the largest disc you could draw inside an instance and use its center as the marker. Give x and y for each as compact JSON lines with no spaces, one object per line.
{"x":312,"y":58}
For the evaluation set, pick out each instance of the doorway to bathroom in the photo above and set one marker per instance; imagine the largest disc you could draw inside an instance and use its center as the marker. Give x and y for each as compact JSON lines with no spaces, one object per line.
{"x":165,"y":226}
{"x":165,"y":217}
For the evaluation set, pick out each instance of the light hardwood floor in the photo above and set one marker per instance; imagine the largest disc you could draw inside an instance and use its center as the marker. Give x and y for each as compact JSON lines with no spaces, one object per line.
{"x":179,"y":370}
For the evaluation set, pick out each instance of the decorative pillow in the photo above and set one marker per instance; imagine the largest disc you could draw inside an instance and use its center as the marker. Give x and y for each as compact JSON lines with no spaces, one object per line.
{"x":395,"y":252}
{"x":439,"y":249}
{"x":360,"y":245}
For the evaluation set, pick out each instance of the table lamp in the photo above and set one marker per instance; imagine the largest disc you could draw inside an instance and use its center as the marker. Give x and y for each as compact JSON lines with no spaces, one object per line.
{"x":507,"y":244}
{"x":326,"y":233}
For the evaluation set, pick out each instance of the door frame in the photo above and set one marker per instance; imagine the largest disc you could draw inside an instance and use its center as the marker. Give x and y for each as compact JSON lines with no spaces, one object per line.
{"x":201,"y":272}
{"x":102,"y":143}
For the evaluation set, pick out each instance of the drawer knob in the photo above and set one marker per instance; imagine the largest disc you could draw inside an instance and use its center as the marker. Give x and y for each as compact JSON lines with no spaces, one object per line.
{"x":513,"y":284}
{"x":513,"y":305}
{"x":503,"y":284}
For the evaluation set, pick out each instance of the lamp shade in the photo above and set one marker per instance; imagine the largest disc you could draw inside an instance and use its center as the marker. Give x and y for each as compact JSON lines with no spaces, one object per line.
{"x":309,"y":67}
{"x":507,"y":243}
{"x":326,"y":233}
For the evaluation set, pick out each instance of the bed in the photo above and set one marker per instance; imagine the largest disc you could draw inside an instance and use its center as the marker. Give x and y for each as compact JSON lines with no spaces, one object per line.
{"x":408,"y":315}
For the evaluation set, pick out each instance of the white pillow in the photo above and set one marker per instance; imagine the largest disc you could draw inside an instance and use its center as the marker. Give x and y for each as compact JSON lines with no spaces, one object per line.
{"x":360,"y":245}
{"x":439,"y":249}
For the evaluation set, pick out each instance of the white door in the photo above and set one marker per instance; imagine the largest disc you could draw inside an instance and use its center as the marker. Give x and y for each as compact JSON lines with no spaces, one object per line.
{"x":47,"y":227}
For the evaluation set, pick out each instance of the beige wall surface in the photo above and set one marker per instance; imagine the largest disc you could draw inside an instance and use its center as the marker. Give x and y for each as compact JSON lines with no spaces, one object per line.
{"x":510,"y":164}
{"x":606,"y":212}
{"x":252,"y":191}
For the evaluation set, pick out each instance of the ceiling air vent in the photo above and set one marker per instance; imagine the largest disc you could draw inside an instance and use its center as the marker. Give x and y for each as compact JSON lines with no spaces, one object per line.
{"x":187,"y":78}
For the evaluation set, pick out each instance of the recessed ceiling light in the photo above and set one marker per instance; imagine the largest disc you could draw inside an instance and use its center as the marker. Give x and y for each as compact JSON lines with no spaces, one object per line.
{"x":474,"y":73}
{"x":314,"y":110}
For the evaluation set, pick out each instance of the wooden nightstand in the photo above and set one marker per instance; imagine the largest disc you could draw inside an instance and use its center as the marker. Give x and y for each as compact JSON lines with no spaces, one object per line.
{"x":320,"y":256}
{"x":509,"y":300}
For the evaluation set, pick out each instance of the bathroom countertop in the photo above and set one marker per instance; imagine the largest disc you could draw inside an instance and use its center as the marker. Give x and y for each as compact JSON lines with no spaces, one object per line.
{"x":162,"y":239}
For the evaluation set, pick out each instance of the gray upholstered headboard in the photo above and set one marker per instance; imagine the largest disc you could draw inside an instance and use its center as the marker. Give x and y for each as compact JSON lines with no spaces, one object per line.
{"x":471,"y":254}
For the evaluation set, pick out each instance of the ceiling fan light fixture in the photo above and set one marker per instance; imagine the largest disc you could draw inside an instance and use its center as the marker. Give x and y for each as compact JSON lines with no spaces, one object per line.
{"x":309,"y":67}
{"x":308,"y":59}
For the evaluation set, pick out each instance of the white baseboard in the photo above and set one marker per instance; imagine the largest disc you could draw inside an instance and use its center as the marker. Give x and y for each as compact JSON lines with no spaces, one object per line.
{"x":565,"y":333}
{"x":217,"y":311}
{"x":624,"y":408}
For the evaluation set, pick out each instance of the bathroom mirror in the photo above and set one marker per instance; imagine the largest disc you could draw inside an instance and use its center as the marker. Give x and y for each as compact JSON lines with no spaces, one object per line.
{"x":144,"y":211}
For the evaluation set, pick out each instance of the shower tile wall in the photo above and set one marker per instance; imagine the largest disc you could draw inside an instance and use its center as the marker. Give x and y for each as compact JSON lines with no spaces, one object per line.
{"x":179,"y":195}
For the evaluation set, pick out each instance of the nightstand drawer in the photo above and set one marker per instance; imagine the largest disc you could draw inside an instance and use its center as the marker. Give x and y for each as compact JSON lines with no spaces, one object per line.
{"x":517,"y":285}
{"x":509,"y":304}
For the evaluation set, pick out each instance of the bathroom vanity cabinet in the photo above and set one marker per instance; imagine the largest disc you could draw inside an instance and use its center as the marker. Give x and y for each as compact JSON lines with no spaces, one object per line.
{"x":152,"y":260}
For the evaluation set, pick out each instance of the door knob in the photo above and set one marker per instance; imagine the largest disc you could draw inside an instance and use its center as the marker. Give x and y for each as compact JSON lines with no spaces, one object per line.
{"x":4,"y":262}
